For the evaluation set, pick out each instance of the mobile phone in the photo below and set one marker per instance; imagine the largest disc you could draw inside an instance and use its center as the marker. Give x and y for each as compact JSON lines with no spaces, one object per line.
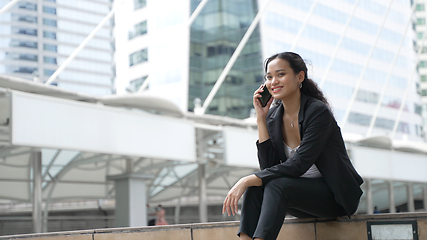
{"x":265,"y":96}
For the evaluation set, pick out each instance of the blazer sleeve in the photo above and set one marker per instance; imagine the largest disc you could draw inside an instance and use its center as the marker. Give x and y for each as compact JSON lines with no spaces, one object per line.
{"x":267,"y":156}
{"x":318,"y":122}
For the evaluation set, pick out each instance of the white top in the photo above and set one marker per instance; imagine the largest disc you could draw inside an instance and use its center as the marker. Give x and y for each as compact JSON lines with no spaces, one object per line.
{"x":312,"y":172}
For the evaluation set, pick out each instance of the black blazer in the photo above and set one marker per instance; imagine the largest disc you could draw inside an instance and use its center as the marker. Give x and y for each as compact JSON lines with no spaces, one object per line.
{"x":321,"y":144}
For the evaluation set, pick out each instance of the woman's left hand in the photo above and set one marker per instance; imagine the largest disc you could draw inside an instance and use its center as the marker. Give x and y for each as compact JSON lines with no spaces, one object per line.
{"x":233,"y":196}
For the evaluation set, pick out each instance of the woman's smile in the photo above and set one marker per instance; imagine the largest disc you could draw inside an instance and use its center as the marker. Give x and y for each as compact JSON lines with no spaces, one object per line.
{"x":276,"y":89}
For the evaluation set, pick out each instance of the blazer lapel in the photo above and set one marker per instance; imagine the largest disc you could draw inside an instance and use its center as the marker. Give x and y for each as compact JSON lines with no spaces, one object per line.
{"x":301,"y":115}
{"x":274,"y":126}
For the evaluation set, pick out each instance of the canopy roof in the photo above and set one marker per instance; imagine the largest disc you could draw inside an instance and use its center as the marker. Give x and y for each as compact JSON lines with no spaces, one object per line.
{"x":71,"y":174}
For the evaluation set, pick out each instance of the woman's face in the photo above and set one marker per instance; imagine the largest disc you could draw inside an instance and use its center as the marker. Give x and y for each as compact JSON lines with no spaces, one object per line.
{"x":281,"y":80}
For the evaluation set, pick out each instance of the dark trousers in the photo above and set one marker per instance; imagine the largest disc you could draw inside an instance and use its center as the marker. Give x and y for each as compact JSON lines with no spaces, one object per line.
{"x":264,"y":208}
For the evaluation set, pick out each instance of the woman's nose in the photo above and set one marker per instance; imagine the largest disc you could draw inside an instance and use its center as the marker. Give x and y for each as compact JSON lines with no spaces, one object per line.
{"x":274,"y":80}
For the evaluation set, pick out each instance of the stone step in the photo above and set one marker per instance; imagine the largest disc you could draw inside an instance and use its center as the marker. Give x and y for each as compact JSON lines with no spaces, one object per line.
{"x":359,"y":227}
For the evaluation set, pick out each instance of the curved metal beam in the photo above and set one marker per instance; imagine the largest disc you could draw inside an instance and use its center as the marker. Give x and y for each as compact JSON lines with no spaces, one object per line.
{"x":365,"y":66}
{"x":390,"y":72}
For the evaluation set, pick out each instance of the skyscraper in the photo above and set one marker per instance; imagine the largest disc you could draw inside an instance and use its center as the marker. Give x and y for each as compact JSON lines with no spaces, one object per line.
{"x":38,"y":35}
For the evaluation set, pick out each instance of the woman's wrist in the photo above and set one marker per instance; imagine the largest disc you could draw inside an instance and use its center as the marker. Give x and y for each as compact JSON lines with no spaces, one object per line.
{"x":252,"y":180}
{"x":261,"y":120}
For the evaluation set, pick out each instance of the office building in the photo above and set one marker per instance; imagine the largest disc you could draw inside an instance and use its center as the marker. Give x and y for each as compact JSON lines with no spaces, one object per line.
{"x":37,"y":36}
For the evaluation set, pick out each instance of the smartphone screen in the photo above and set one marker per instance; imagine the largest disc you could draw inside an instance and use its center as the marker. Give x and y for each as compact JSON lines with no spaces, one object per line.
{"x":265,"y":96}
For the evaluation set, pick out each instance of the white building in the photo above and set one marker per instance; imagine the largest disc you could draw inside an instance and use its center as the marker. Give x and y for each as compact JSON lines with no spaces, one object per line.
{"x":36,"y":37}
{"x":421,"y":16}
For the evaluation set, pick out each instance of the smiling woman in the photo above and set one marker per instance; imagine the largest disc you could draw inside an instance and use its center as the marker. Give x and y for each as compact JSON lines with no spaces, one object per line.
{"x":305,"y":170}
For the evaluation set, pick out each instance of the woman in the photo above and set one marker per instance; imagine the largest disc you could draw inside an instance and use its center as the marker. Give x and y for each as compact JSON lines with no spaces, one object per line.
{"x":305,"y":170}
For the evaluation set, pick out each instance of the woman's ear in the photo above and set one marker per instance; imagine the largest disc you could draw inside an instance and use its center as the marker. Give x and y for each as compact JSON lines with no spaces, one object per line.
{"x":301,"y":76}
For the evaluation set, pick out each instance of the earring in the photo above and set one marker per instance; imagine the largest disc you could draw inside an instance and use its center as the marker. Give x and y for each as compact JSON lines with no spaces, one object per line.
{"x":300,"y":85}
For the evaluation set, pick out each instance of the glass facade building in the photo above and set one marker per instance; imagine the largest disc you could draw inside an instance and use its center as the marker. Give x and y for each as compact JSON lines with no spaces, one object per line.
{"x":37,"y":36}
{"x":214,"y":36}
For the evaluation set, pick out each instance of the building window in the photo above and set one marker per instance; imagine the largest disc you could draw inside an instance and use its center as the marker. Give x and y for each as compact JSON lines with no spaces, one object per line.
{"x":50,"y":35}
{"x":14,"y":69}
{"x":23,"y":18}
{"x":134,"y":85}
{"x":420,"y":35}
{"x":424,"y":92}
{"x":51,"y":60}
{"x":138,"y":29}
{"x":48,"y":72}
{"x":49,"y":22}
{"x":420,"y":7}
{"x":50,"y":47}
{"x":138,"y":57}
{"x":421,"y":21}
{"x":26,"y":31}
{"x":219,"y":50}
{"x":384,"y":123}
{"x":27,"y":5}
{"x":423,"y":78}
{"x":423,"y":64}
{"x":365,"y":96}
{"x":360,"y":119}
{"x":50,"y":10}
{"x":418,"y":109}
{"x":21,"y":56}
{"x":403,"y":127}
{"x":21,"y":43}
{"x":137,"y":4}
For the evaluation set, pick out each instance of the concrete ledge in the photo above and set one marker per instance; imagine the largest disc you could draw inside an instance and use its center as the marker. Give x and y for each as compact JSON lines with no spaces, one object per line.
{"x":293,"y":228}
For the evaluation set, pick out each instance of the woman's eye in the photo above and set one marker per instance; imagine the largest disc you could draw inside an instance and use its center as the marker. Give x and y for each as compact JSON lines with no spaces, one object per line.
{"x":281,"y":74}
{"x":268,"y":77}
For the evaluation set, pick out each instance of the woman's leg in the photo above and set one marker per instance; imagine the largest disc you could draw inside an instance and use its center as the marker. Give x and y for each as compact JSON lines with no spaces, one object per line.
{"x":251,"y":209}
{"x":303,"y":195}
{"x":316,"y":199}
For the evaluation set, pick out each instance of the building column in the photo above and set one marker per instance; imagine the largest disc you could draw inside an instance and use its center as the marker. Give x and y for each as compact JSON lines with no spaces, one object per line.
{"x":369,"y":201}
{"x":131,"y":199}
{"x":410,"y":193}
{"x":392,"y":204}
{"x":178,"y":210}
{"x":203,"y":205}
{"x":425,"y":197}
{"x":37,"y":191}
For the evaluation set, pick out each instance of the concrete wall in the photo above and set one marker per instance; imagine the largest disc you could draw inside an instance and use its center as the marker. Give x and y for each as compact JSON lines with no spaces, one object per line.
{"x":302,"y":229}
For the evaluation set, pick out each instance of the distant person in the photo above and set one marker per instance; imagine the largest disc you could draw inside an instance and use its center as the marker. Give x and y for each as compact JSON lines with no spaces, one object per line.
{"x":151,"y":216}
{"x":376,"y":210}
{"x":161,"y":216}
{"x":305,"y":169}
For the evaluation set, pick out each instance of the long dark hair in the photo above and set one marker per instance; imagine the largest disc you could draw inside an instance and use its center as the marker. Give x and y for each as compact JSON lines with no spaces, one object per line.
{"x":309,"y":87}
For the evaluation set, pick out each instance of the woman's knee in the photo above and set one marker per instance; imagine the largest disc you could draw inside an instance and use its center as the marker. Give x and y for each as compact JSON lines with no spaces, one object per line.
{"x":279,"y":183}
{"x":280,"y":186}
{"x":254,"y":191}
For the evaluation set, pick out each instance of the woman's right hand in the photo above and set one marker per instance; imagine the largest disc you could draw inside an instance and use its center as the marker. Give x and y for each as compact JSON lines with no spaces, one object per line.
{"x":261,"y":112}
